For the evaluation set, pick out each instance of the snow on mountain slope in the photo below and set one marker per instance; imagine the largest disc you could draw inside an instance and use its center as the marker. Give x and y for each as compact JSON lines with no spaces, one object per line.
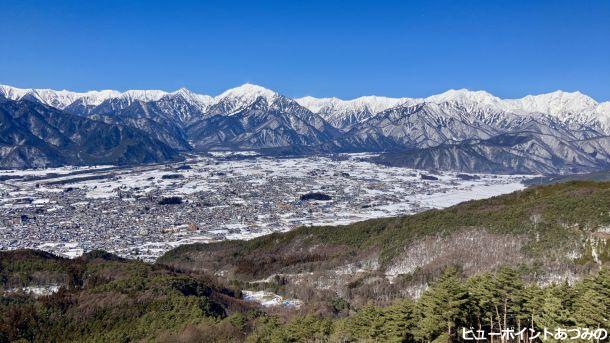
{"x":247,"y":93}
{"x":58,"y":99}
{"x":63,"y":98}
{"x":235,"y":99}
{"x":560,"y":104}
{"x":184,"y":105}
{"x":142,"y":95}
{"x":317,"y":104}
{"x":12,"y":93}
{"x":346,"y":113}
{"x":368,"y":106}
{"x":568,"y":107}
{"x":470,"y":100}
{"x":552,"y":132}
{"x":371,"y":103}
{"x":198,"y":100}
{"x":602,"y":112}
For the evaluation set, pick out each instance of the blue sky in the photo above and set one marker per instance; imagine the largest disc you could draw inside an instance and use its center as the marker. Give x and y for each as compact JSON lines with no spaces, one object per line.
{"x":320,"y":48}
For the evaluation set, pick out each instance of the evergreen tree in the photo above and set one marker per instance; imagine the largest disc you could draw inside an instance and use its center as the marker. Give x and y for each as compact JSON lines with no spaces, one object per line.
{"x":590,"y":310}
{"x":507,"y":297}
{"x":442,"y":308}
{"x":555,"y":311}
{"x":308,"y":328}
{"x":533,"y":300}
{"x":366,"y":324}
{"x":399,"y":322}
{"x":480,"y":304}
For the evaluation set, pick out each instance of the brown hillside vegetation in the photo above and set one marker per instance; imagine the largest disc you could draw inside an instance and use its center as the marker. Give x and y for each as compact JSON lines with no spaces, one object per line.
{"x":107,"y":299}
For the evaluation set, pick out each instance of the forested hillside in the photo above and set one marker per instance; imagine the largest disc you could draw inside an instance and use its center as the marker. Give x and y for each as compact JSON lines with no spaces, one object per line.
{"x":103,"y":298}
{"x":106,"y":299}
{"x":487,"y":302}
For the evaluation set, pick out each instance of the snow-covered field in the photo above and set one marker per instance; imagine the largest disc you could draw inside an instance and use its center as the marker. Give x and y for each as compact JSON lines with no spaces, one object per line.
{"x":226,"y":196}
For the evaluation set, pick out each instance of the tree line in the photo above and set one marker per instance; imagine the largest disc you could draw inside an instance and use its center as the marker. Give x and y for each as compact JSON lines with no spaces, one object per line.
{"x":490,"y":303}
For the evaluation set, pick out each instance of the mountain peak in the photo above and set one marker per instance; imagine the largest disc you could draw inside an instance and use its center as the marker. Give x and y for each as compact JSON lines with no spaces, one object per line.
{"x":142,"y":95}
{"x":465,"y":95}
{"x":235,"y":99}
{"x":566,"y":96}
{"x":248,"y":91}
{"x":182,"y":90}
{"x":200,"y":100}
{"x":12,"y":93}
{"x":318,"y":105}
{"x":54,"y":98}
{"x":558,"y":103}
{"x":187,"y":94}
{"x":370,"y":102}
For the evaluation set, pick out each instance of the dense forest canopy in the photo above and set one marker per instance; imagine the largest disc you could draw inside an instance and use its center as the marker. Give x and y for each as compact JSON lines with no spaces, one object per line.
{"x":107,"y":299}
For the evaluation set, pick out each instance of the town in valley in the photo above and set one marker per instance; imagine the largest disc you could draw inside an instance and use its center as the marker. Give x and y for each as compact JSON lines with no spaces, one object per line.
{"x":142,"y":211}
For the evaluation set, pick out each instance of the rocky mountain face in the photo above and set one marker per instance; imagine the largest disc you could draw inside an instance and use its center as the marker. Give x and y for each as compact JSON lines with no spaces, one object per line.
{"x":151,"y":118}
{"x":464,"y":130}
{"x":346,"y":114}
{"x":271,"y":121}
{"x":454,"y":136}
{"x":574,"y":108}
{"x":246,"y":117}
{"x":36,"y":135}
{"x":524,"y":152}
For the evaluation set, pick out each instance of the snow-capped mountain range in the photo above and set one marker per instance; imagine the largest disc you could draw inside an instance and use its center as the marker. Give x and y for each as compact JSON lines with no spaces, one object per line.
{"x":466,"y":130}
{"x":566,"y":106}
{"x":344,"y":114}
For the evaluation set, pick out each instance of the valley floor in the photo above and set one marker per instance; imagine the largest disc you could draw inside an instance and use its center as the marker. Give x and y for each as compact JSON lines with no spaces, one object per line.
{"x":224,"y":196}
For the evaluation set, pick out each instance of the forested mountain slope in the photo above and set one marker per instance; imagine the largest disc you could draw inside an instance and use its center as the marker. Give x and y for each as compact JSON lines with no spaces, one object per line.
{"x":33,"y":135}
{"x":103,"y":298}
{"x":106,"y":299}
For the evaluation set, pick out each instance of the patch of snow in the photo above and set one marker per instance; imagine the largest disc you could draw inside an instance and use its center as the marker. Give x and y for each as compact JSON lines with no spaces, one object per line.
{"x":35,"y":290}
{"x":269,"y":299}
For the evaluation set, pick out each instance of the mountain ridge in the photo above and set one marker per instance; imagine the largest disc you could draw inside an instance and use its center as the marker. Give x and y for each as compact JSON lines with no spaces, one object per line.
{"x":561,"y":104}
{"x":458,"y":129}
{"x":36,"y":135}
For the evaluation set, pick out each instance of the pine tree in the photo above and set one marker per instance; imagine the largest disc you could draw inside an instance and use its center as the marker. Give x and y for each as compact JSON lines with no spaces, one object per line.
{"x":507,"y":299}
{"x":366,"y":324}
{"x":555,"y":310}
{"x":399,"y":322}
{"x":602,"y":285}
{"x":480,"y":293}
{"x":442,"y":307}
{"x":590,"y":310}
{"x":533,"y":299}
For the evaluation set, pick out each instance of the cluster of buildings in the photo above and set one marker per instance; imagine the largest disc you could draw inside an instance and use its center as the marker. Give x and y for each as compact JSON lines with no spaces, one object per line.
{"x":124,"y":210}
